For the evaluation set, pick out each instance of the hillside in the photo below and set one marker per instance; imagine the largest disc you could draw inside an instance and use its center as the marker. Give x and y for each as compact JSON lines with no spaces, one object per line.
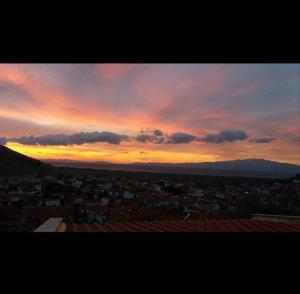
{"x":13,"y":163}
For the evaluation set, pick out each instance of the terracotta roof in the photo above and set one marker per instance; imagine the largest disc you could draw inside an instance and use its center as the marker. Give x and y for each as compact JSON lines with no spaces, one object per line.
{"x":225,"y":225}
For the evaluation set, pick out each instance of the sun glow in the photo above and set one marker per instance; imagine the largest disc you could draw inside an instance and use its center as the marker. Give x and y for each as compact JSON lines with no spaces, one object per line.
{"x":86,"y":153}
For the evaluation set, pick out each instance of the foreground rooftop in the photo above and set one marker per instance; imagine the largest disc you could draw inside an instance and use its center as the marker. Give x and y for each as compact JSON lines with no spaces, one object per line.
{"x":224,"y":225}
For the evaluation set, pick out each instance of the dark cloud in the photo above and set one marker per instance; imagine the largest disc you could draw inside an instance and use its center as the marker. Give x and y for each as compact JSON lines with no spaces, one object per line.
{"x":94,"y":137}
{"x":3,"y":141}
{"x":75,"y":139}
{"x":143,"y":138}
{"x":225,"y":136}
{"x":158,"y":133}
{"x":262,"y":140}
{"x":47,"y":140}
{"x":157,"y":137}
{"x":152,"y":136}
{"x":181,"y":138}
{"x":159,"y":140}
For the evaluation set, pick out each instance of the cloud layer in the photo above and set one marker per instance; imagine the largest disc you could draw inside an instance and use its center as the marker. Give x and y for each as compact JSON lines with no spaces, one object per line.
{"x":181,"y":138}
{"x":150,"y":136}
{"x":225,"y":136}
{"x":68,"y":140}
{"x":262,"y":140}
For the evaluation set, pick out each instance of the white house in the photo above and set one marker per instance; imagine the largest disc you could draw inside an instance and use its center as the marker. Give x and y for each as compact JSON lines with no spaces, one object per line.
{"x":38,"y":187}
{"x":100,"y":218}
{"x":220,"y":195}
{"x":52,"y":202}
{"x":157,"y":188}
{"x":197,"y":193}
{"x":214,"y":206}
{"x":163,"y":203}
{"x":15,"y":199}
{"x":76,"y":184}
{"x":104,"y":201}
{"x":108,"y":186}
{"x":128,"y":195}
{"x":78,"y":200}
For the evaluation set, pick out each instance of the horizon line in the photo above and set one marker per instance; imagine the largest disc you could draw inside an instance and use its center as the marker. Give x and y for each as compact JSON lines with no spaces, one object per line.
{"x":153,"y":162}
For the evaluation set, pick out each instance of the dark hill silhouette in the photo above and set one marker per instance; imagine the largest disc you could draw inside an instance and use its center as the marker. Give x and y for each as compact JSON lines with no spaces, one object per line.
{"x":241,"y":168}
{"x":13,"y":163}
{"x":247,"y":165}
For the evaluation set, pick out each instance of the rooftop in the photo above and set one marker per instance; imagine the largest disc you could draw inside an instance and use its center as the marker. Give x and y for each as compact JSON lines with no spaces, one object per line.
{"x":51,"y":225}
{"x":224,"y":225}
{"x":277,"y":218}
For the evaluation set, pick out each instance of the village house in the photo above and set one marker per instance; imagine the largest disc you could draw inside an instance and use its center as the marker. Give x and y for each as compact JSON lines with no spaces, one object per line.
{"x":4,"y":200}
{"x":78,"y":200}
{"x":220,"y":195}
{"x":162,"y":200}
{"x":196,"y":194}
{"x":101,"y":218}
{"x":76,"y":183}
{"x":104,"y":201}
{"x":128,"y":195}
{"x":53,"y":201}
{"x":157,"y":188}
{"x":15,"y":199}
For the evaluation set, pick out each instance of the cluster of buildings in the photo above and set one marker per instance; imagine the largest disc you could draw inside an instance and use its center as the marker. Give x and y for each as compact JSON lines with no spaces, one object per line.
{"x":98,"y":199}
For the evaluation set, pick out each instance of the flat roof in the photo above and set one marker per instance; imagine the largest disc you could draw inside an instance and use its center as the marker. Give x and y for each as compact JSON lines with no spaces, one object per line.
{"x":51,"y":225}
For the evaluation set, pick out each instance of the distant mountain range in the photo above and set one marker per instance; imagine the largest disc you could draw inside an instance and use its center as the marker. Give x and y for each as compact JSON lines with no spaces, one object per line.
{"x":13,"y":163}
{"x":244,"y":168}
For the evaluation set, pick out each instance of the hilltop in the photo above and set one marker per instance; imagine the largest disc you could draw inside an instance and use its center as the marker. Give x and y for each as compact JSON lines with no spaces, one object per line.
{"x":13,"y":163}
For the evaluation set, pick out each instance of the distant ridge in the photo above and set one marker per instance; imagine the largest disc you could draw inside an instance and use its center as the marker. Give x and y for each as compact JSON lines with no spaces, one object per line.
{"x":13,"y":163}
{"x":252,"y":164}
{"x":244,"y":168}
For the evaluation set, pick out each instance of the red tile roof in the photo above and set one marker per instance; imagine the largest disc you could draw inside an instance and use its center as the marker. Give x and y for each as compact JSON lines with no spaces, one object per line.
{"x":226,"y":225}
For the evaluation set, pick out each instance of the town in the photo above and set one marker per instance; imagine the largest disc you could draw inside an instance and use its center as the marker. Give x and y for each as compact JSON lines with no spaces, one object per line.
{"x":110,"y":197}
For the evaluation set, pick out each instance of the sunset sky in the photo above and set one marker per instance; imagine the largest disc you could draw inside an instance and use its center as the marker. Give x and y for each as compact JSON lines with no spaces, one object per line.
{"x":126,"y":113}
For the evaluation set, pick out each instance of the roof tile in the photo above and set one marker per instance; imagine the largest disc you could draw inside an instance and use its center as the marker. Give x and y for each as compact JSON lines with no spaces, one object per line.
{"x":226,"y":225}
